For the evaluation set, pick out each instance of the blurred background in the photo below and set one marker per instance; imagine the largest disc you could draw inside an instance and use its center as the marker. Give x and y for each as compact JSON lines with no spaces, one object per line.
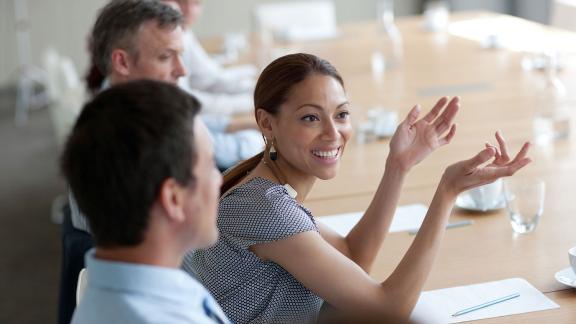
{"x":30,"y":185}
{"x":64,"y":24}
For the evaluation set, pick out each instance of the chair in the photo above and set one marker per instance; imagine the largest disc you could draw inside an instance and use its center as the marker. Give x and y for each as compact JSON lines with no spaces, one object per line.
{"x":75,"y":243}
{"x":29,"y":76}
{"x":66,"y":93}
{"x":81,"y":286}
{"x":297,"y":20}
{"x":563,"y":14}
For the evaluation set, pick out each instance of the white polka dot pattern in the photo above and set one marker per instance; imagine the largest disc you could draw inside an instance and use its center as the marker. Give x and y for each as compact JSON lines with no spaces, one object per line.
{"x":248,"y":289}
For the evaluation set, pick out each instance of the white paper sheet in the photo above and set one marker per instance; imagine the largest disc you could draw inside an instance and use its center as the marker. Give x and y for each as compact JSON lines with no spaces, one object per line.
{"x":406,"y":218}
{"x":437,"y":306}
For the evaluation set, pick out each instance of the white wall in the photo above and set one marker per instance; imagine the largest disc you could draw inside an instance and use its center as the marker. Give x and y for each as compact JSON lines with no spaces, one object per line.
{"x":491,"y":5}
{"x":537,"y":10}
{"x":61,"y":24}
{"x":5,"y":40}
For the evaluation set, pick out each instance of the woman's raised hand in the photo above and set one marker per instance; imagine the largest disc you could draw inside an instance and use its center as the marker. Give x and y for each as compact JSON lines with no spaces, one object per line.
{"x":415,"y":138}
{"x":501,"y":156}
{"x":470,"y":173}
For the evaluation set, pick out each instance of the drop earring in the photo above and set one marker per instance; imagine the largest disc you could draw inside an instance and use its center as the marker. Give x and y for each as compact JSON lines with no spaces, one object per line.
{"x":273,"y":154}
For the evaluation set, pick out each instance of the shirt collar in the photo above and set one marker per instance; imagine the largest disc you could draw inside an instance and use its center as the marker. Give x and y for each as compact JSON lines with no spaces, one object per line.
{"x":142,"y":278}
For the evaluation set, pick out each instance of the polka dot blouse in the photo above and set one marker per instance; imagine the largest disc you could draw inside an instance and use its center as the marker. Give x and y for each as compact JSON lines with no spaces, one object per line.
{"x":248,"y":289}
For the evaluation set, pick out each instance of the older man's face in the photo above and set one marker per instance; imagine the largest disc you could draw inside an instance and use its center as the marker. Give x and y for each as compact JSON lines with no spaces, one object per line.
{"x":159,"y":54}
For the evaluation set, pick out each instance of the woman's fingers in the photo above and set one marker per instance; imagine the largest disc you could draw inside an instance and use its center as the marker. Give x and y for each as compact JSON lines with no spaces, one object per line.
{"x":513,"y":167}
{"x":446,"y":119}
{"x":446,"y":139}
{"x":412,"y":115}
{"x":522,"y":153}
{"x":483,"y":156}
{"x":432,"y":114}
{"x":505,"y":170}
{"x":476,"y":175}
{"x":495,"y":172}
{"x":497,"y":155}
{"x":502,"y":144}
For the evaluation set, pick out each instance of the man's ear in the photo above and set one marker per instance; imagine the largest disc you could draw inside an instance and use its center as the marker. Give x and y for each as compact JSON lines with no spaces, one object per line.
{"x":265,"y":122}
{"x":120,"y":62}
{"x":172,"y":200}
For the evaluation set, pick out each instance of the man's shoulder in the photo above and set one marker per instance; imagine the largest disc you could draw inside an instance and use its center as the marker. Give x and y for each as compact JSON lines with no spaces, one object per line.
{"x":116,"y":307}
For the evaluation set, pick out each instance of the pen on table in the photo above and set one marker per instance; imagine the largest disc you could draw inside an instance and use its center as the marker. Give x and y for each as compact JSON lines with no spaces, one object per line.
{"x":486,"y":304}
{"x":451,"y":225}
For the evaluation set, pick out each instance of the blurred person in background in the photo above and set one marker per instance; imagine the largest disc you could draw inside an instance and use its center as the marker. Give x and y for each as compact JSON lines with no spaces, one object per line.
{"x":221,"y":94}
{"x":220,"y":90}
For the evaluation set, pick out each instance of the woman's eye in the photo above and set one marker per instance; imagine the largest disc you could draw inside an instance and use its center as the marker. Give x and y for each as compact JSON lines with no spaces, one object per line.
{"x":309,"y":118}
{"x":343,"y":115}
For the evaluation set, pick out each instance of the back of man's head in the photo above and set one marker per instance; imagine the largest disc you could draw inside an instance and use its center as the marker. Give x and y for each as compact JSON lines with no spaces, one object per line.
{"x":118,"y":23}
{"x":126,"y":142}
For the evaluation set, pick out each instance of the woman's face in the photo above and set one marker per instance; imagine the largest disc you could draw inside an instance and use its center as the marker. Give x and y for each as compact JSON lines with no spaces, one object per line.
{"x":312,"y":127}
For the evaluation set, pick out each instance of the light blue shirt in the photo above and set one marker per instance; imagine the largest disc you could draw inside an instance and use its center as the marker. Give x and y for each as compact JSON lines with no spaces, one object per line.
{"x":119,"y":292}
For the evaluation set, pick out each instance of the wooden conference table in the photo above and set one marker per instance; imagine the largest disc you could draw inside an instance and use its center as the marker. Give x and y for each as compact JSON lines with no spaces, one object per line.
{"x":496,"y":94}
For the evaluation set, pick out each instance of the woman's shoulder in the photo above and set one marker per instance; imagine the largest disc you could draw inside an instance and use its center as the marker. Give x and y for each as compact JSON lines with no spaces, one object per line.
{"x":261,"y":200}
{"x":255,"y":190}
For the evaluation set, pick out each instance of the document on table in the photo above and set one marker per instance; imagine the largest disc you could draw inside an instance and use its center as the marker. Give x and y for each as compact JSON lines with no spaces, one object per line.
{"x":437,"y":306}
{"x":408,"y":217}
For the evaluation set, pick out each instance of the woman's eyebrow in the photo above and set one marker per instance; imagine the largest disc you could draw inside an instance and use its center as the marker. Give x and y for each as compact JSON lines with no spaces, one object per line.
{"x":320,"y":107}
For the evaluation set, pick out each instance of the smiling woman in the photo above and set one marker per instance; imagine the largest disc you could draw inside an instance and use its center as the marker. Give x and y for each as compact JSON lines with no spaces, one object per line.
{"x":310,"y":130}
{"x":303,"y":112}
{"x":273,"y":263}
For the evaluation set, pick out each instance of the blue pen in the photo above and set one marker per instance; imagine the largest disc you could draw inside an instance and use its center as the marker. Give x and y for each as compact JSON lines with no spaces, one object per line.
{"x":486,"y":304}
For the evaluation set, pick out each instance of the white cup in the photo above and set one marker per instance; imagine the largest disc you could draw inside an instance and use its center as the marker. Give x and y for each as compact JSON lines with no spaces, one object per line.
{"x":572,"y":256}
{"x":488,"y":196}
{"x":384,"y":121}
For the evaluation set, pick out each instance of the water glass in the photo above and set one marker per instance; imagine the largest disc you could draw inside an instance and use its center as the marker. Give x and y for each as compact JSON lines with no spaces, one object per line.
{"x":436,"y":15}
{"x":524,"y":203}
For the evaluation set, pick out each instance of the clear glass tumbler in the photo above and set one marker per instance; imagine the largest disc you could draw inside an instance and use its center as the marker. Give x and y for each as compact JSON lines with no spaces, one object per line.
{"x":524,"y":203}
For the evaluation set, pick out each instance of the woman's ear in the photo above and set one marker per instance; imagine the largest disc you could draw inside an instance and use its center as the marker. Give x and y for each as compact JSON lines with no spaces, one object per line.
{"x":265,"y":122}
{"x":172,"y":200}
{"x":120,"y":62}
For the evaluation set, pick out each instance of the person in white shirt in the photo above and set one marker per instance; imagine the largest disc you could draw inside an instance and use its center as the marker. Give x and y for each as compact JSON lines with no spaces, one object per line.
{"x":139,"y":162}
{"x":220,"y":90}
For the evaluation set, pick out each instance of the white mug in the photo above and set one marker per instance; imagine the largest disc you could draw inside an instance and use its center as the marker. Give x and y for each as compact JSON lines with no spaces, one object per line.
{"x":488,"y":196}
{"x":572,"y":256}
{"x":384,"y":121}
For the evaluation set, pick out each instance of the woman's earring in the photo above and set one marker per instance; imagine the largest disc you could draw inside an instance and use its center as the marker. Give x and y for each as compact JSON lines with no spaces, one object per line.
{"x":273,"y":154}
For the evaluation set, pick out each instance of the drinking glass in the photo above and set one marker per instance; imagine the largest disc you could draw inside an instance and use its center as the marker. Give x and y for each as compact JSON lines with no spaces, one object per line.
{"x":524,"y":203}
{"x":389,"y":49}
{"x":436,"y":15}
{"x":552,"y":120}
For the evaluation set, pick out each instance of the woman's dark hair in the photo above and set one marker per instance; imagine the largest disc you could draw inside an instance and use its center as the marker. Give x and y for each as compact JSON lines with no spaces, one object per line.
{"x":272,"y":90}
{"x":126,"y":142}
